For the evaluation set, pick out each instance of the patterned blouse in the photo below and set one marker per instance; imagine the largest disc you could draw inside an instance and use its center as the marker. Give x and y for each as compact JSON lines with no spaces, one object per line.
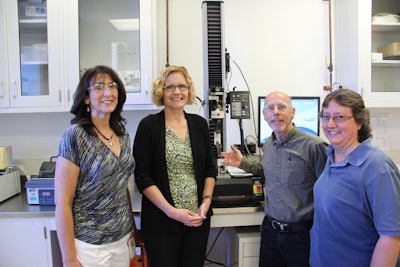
{"x":180,"y":167}
{"x":100,"y":208}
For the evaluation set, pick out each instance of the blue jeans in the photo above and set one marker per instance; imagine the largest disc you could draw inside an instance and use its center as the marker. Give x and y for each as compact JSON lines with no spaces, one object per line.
{"x":283,"y":249}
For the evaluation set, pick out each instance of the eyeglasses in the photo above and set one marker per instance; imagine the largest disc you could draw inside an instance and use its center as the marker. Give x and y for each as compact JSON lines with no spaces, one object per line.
{"x":280,"y":107}
{"x":336,"y":118}
{"x":100,"y":87}
{"x":171,"y":88}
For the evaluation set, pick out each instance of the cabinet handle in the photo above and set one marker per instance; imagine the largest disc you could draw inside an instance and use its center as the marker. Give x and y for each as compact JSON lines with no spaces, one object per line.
{"x":14,"y":89}
{"x":1,"y":89}
{"x":59,"y":95}
{"x":45,"y":232}
{"x":147,"y":84}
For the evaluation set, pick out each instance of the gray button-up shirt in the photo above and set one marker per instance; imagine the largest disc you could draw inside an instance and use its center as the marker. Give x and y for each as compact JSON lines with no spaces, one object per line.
{"x":290,"y":167}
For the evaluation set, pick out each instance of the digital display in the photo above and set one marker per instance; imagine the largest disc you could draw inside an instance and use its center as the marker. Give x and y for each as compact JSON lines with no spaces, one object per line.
{"x":306,"y":116}
{"x":46,"y":193}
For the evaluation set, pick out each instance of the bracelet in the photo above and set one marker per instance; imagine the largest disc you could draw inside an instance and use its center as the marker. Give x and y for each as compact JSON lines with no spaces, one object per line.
{"x":206,"y":196}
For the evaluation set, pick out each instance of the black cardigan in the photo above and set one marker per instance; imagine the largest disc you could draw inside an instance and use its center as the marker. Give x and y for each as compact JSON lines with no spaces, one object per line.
{"x":151,"y":167}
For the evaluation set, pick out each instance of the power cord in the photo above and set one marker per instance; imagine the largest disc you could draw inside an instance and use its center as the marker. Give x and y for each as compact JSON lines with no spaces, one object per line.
{"x":248,"y":88}
{"x":211,"y":248}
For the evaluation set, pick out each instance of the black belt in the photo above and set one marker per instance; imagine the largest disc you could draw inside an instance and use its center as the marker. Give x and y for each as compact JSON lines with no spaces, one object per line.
{"x":289,"y":227}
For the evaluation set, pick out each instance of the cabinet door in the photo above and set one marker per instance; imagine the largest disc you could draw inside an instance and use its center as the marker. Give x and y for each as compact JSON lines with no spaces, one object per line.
{"x":118,"y":34}
{"x":24,"y":243}
{"x":34,"y":45}
{"x":384,"y":39}
{"x":356,"y":38}
{"x":4,"y":91}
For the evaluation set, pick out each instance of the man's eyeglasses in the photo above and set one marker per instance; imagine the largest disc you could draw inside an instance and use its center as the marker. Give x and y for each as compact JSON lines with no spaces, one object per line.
{"x":335,"y":118}
{"x":280,"y":107}
{"x":100,"y":87}
{"x":171,"y":88}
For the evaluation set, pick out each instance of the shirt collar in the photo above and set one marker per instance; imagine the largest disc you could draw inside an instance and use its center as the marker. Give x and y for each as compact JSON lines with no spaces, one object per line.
{"x":284,"y":139}
{"x":356,"y":157}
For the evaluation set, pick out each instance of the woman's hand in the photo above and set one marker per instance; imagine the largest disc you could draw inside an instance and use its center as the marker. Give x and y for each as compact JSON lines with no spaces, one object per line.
{"x":204,"y":207}
{"x":187,"y":217}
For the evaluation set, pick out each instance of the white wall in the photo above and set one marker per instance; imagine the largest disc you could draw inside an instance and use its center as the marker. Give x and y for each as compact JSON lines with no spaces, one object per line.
{"x":278,"y":45}
{"x":35,"y":137}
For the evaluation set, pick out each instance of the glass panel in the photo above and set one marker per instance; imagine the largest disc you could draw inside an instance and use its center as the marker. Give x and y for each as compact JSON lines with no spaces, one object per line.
{"x":109,"y":35}
{"x":33,"y":47}
{"x":385,"y":46}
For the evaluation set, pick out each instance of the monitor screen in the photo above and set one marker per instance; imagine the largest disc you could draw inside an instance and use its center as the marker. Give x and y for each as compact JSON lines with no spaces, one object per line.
{"x":306,"y":117}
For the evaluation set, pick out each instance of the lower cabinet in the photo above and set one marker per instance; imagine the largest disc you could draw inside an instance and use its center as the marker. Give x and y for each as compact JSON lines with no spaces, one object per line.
{"x":25,"y":242}
{"x":244,"y":243}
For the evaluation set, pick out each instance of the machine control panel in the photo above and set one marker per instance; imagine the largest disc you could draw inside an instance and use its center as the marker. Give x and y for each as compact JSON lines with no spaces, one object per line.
{"x":240,"y":104}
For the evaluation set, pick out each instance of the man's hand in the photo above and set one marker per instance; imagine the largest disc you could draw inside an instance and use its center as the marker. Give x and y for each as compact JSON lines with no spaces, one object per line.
{"x":232,"y":158}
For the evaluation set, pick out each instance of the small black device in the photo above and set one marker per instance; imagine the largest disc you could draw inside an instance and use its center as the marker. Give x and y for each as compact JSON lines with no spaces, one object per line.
{"x":240,"y":104}
{"x":47,"y":168}
{"x":238,"y":192}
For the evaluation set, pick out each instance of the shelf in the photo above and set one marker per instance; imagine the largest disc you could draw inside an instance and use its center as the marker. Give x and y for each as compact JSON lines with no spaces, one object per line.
{"x":386,"y":63}
{"x":34,"y":63}
{"x":386,"y":27}
{"x":33,"y":21}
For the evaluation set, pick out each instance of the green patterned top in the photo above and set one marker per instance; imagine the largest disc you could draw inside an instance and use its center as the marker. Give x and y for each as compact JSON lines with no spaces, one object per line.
{"x":180,"y":167}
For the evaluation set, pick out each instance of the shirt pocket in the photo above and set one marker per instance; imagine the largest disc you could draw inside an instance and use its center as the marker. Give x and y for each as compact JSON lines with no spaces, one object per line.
{"x":297,"y":172}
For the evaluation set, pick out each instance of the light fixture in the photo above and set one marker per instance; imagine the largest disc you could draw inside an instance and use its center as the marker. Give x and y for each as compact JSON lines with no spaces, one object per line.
{"x":125,"y":24}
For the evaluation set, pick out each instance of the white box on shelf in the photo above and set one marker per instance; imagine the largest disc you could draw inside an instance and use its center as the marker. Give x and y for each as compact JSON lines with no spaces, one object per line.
{"x":376,"y":57}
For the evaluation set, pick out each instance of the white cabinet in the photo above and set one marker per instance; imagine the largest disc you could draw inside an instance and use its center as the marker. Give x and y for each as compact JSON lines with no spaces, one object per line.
{"x":244,"y":243}
{"x":25,"y":242}
{"x":356,"y":36}
{"x":46,"y":44}
{"x":131,"y":47}
{"x":30,"y":54}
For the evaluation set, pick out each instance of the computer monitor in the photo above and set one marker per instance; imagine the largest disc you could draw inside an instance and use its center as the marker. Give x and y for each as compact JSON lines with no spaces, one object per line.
{"x":306,"y":117}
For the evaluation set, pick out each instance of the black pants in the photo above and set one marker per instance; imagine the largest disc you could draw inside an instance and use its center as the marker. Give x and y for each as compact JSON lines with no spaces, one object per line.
{"x":184,"y":248}
{"x":283,"y":249}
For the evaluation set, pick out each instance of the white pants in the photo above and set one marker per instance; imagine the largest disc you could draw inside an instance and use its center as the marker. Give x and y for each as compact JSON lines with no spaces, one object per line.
{"x":115,"y":254}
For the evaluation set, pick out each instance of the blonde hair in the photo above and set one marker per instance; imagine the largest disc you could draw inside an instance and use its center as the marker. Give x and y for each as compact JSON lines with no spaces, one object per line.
{"x":157,"y":94}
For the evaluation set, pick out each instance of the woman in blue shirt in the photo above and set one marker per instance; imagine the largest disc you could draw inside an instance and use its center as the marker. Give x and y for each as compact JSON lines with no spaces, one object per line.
{"x":357,"y":197}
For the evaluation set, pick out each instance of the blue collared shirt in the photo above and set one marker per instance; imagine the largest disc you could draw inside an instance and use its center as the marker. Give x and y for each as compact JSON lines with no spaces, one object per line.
{"x":356,"y":200}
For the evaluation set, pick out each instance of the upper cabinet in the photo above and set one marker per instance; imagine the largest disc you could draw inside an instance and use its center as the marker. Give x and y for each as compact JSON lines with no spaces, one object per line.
{"x":46,"y":45}
{"x":122,"y":34}
{"x":367,"y":49}
{"x":30,"y":54}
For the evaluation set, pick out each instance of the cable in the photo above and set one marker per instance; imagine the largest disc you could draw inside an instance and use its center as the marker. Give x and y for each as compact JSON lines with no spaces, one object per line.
{"x":256,"y":140}
{"x":202,"y":104}
{"x":211,"y":248}
{"x":251,"y":97}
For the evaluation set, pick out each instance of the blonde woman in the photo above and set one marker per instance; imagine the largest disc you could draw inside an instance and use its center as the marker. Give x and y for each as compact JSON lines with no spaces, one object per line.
{"x":176,"y":174}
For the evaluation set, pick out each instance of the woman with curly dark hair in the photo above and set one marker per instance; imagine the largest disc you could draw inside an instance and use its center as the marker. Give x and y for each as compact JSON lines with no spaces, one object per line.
{"x":92,"y":170}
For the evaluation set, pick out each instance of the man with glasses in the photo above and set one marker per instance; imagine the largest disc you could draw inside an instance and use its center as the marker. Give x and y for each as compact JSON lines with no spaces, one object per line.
{"x":291,"y":163}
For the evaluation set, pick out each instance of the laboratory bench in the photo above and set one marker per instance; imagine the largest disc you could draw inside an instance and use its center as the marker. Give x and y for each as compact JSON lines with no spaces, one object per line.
{"x":25,"y":226}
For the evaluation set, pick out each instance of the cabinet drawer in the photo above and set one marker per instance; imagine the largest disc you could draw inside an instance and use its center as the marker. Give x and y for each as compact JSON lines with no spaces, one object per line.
{"x":250,"y":262}
{"x":251,"y":249}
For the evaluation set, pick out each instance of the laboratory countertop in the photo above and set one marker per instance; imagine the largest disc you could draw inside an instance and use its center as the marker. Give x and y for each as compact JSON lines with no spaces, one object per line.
{"x":18,"y":208}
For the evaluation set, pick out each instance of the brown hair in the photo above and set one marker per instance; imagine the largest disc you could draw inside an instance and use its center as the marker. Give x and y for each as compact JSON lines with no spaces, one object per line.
{"x":353,"y":100}
{"x":79,"y":107}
